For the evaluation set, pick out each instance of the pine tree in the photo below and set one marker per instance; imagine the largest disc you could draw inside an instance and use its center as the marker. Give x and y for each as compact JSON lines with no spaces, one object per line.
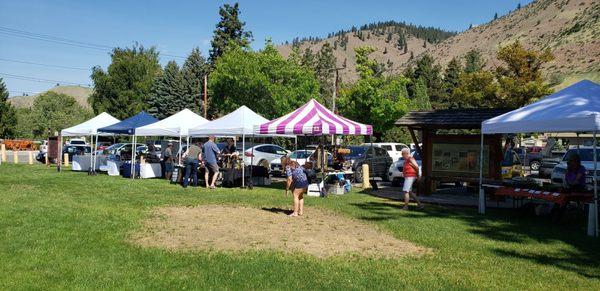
{"x":519,"y":6}
{"x":308,"y":59}
{"x":406,"y":50}
{"x":324,"y":65}
{"x":8,"y":116}
{"x":473,"y":61}
{"x":229,"y":31}
{"x":389,"y":37}
{"x":168,"y":92}
{"x":420,"y":97}
{"x":385,"y":50}
{"x":451,"y":79}
{"x":496,"y":16}
{"x":193,"y":71}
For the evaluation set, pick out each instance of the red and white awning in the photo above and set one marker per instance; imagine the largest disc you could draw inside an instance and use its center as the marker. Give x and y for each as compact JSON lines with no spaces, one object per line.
{"x":313,"y":119}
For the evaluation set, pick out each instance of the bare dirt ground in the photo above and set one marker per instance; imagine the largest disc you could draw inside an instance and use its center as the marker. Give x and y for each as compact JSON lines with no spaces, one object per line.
{"x":230,"y":228}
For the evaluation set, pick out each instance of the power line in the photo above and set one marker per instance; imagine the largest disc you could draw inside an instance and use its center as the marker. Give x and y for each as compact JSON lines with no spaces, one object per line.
{"x":61,"y":40}
{"x":41,"y":80}
{"x":43,"y":65}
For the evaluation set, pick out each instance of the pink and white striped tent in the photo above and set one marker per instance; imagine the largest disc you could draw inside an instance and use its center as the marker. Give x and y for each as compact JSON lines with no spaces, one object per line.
{"x":313,"y":119}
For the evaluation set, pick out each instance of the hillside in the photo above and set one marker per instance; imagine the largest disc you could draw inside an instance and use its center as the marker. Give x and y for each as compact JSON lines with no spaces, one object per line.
{"x":382,"y":36}
{"x":80,"y":94}
{"x":570,"y":28}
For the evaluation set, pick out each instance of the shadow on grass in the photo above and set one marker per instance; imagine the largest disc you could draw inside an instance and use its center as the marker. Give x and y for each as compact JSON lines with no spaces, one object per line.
{"x":510,"y":226}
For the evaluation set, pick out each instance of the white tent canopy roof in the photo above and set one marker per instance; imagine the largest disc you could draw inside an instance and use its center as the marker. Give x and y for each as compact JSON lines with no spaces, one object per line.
{"x":573,"y":109}
{"x":91,"y":126}
{"x":239,"y":122}
{"x":177,"y":124}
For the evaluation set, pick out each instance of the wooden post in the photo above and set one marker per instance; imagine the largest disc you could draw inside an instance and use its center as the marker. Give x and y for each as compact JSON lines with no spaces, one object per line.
{"x":15,"y":156}
{"x":30,"y":157}
{"x":366,"y":178}
{"x":3,"y":149}
{"x":66,"y":159}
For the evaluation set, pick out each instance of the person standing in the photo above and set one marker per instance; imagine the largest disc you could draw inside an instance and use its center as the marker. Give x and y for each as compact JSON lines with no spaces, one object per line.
{"x":211,"y":151}
{"x":300,"y":184}
{"x":191,"y":162}
{"x":410,"y":172}
{"x":168,"y":158}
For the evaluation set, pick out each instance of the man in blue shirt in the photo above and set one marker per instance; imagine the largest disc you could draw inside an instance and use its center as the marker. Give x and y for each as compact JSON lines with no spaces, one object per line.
{"x":211,"y":151}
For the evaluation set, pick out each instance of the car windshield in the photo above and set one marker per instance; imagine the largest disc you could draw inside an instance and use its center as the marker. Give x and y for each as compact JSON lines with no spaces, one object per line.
{"x":584,"y":154}
{"x":300,"y":154}
{"x":356,"y":152}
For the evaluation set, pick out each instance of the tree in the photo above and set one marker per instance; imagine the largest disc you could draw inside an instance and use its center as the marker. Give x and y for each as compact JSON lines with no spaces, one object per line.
{"x":378,"y":101}
{"x":430,"y":72}
{"x":496,"y":16}
{"x":264,"y":81}
{"x":452,"y":76}
{"x":473,"y":61}
{"x":520,"y":79}
{"x":8,"y":115}
{"x":365,"y":66}
{"x":478,"y":89}
{"x":124,"y":89}
{"x":168,"y":92}
{"x":420,"y":99}
{"x":519,"y":6}
{"x":193,"y":71}
{"x":324,"y":70}
{"x":229,"y":32}
{"x":308,"y":59}
{"x":51,"y":112}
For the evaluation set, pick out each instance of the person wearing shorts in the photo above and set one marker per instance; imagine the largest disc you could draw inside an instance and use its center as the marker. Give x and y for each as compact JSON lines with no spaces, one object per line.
{"x":300,"y":184}
{"x":410,"y":172}
{"x":211,"y":151}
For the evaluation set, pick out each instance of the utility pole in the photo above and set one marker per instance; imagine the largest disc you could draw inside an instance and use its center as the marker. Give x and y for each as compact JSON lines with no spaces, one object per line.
{"x":205,"y":99}
{"x":334,"y":95}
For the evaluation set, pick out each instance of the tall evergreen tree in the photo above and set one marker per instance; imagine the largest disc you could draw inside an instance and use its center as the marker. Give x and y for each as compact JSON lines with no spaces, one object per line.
{"x":8,"y":116}
{"x":324,"y":65}
{"x":430,"y":72}
{"x":229,"y":31}
{"x":473,"y":61}
{"x":194,"y":69}
{"x":420,"y":98}
{"x":168,"y":92}
{"x":308,"y":59}
{"x":496,"y":16}
{"x":452,"y":75}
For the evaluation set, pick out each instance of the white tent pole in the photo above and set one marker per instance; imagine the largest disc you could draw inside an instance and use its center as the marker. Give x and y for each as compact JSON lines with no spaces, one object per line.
{"x":133,"y":152}
{"x":179,"y":149}
{"x":243,"y":166}
{"x":60,"y":154}
{"x":91,"y":153}
{"x":595,"y":180}
{"x":481,"y":192}
{"x":95,"y":154}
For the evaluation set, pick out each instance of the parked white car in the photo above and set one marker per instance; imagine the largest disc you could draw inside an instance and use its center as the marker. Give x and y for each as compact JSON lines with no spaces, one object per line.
{"x":77,"y":142}
{"x":587,"y":161}
{"x":395,"y":172}
{"x":393,"y":149}
{"x":264,"y":154}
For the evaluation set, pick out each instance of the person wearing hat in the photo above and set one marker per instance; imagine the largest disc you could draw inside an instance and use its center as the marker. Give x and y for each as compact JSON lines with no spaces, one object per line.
{"x":168,"y":158}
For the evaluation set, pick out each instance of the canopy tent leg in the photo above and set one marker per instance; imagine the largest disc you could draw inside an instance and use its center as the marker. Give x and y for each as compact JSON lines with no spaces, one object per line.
{"x":595,"y":180}
{"x":243,"y":166}
{"x":179,"y":150}
{"x":251,"y":164}
{"x":95,"y":155}
{"x":481,"y":192}
{"x":60,"y":154}
{"x":133,"y":152}
{"x":91,"y":155}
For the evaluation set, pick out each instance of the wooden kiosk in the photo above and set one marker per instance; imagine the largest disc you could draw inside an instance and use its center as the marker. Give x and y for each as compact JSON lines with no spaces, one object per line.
{"x":453,"y":157}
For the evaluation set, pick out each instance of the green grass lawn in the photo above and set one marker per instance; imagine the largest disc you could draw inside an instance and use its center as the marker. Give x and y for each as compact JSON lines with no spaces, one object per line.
{"x":71,"y":231}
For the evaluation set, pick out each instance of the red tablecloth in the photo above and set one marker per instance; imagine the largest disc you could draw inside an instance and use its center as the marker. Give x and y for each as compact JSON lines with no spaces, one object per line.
{"x":554,"y":197}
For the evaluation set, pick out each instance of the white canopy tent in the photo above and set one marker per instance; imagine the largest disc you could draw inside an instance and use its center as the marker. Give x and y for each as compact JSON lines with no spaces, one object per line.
{"x":177,"y":124}
{"x":89,"y":128}
{"x":573,"y":109}
{"x":240,"y":122}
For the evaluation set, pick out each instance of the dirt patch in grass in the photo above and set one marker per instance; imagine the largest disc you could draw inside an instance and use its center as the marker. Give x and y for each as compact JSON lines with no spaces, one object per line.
{"x":230,"y":228}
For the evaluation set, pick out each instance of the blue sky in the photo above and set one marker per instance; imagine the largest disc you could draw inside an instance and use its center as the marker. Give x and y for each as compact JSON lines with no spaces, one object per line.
{"x":175,"y":27}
